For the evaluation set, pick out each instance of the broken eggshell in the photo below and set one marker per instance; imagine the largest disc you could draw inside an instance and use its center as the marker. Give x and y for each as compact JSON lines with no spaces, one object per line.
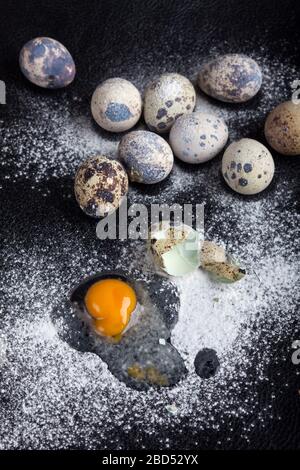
{"x":219,"y":264}
{"x":225,"y":272}
{"x":212,"y":253}
{"x":142,"y":356}
{"x":175,"y":249}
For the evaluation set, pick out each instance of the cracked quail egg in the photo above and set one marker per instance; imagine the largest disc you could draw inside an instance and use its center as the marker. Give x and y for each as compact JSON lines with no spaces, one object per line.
{"x":167,"y":98}
{"x":198,"y":137}
{"x":233,"y":78}
{"x":129,"y":328}
{"x":116,"y":105}
{"x":100,"y":185}
{"x":247,"y":166}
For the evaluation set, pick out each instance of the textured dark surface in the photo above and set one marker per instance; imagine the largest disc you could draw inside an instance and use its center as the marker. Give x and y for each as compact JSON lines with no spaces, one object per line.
{"x":129,"y":31}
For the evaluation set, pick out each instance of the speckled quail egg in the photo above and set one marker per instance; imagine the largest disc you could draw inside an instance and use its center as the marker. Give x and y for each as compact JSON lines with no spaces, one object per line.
{"x":198,"y":137}
{"x":147,"y":157}
{"x":167,"y":98}
{"x":232,"y":78}
{"x":100,"y":185}
{"x":247,"y":166}
{"x":127,"y":324}
{"x":116,"y":105}
{"x":282,"y":128}
{"x":47,"y":63}
{"x":176,"y":249}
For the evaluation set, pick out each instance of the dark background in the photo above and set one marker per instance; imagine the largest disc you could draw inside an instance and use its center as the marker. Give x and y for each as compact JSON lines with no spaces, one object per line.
{"x":129,"y":30}
{"x":124,"y":33}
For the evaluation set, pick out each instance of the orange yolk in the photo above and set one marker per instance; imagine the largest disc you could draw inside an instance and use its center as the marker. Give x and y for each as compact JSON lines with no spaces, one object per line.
{"x":110,"y":302}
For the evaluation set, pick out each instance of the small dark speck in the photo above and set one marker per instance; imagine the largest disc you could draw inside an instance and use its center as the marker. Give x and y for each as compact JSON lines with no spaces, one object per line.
{"x":247,"y":167}
{"x":243,"y":182}
{"x":259,"y":176}
{"x":161,"y":113}
{"x":169,"y":103}
{"x":203,"y":136}
{"x":233,"y":176}
{"x":239,"y":167}
{"x":89,"y":172}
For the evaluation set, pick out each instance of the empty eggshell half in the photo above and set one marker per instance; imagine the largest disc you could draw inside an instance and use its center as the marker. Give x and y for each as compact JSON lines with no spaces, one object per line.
{"x":176,"y":249}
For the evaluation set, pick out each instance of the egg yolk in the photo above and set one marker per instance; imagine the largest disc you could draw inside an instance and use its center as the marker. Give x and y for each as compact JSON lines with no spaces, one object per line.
{"x":110,"y":302}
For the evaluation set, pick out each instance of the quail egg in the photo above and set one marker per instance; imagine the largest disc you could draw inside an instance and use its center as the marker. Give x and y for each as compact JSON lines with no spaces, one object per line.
{"x":146,"y":156}
{"x":232,"y":78}
{"x":116,"y":105}
{"x":167,"y":98}
{"x":47,"y":63}
{"x":100,"y":185}
{"x":247,"y":166}
{"x":282,"y":128}
{"x":198,"y":137}
{"x":129,"y":329}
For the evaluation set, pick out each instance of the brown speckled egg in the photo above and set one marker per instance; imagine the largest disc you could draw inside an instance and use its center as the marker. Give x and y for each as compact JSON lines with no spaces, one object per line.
{"x":167,"y":98}
{"x":233,"y":78}
{"x":247,"y":166}
{"x":100,"y":185}
{"x":282,"y":128}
